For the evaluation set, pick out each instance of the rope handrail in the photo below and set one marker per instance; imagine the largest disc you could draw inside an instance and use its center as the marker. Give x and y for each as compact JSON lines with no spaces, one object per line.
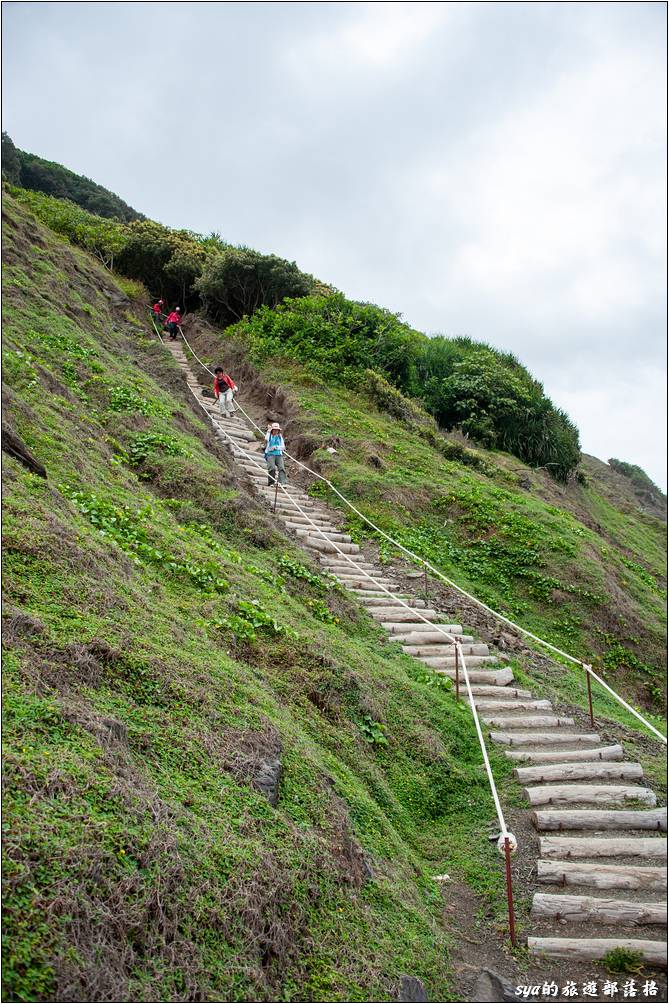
{"x":435,"y":571}
{"x":382,"y":588}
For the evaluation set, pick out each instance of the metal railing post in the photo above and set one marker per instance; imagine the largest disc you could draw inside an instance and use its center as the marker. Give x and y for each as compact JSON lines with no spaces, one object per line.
{"x":509,"y":892}
{"x":457,"y":675}
{"x":276,"y":487}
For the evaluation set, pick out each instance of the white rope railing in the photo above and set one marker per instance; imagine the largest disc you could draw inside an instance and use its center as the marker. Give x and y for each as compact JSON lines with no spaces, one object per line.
{"x":435,"y":571}
{"x":506,"y":841}
{"x":590,"y":671}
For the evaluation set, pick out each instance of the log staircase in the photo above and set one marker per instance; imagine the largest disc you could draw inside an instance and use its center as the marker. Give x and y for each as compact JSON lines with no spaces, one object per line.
{"x":601,"y":856}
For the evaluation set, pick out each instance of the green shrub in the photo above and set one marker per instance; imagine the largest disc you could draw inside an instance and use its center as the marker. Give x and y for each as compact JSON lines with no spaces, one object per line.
{"x":235,"y":282}
{"x":463,"y":384}
{"x":105,"y":238}
{"x":636,"y":475}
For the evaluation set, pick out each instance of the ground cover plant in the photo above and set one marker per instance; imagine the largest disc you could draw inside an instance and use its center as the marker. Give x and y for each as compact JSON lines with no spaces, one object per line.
{"x":163,"y":646}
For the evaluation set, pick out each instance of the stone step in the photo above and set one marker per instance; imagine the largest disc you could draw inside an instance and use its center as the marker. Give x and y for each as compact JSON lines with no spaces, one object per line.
{"x":603,"y":847}
{"x":435,"y":651}
{"x":546,"y":738}
{"x":296,"y":519}
{"x":592,"y":910}
{"x":521,"y":721}
{"x":601,"y":819}
{"x":608,"y":753}
{"x":508,"y":692}
{"x":578,"y":771}
{"x":492,"y":705}
{"x":589,"y":794}
{"x":411,"y":628}
{"x":448,"y":662}
{"x":362,"y":582}
{"x":368,"y":576}
{"x":381,"y":599}
{"x":291,"y":490}
{"x":585,"y":873}
{"x":478,"y":648}
{"x":496,"y":677}
{"x":431,"y":637}
{"x":318,"y":544}
{"x":333,"y":534}
{"x":354,"y":568}
{"x":398,"y":614}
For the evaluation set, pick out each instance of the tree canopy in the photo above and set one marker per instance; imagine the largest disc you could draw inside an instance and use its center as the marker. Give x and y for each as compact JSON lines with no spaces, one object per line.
{"x":39,"y":175}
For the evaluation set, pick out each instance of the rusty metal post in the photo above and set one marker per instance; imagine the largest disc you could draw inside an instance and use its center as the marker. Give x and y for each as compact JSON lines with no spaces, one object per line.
{"x":509,"y":892}
{"x":587,"y":676}
{"x":457,"y":674}
{"x":425,"y":581}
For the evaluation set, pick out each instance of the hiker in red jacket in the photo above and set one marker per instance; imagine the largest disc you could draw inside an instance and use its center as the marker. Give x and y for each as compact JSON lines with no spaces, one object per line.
{"x":173,"y":321}
{"x":157,"y":313}
{"x":224,"y":388}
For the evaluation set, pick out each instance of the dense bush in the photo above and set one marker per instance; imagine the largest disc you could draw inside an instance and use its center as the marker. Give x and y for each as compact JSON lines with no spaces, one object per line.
{"x":636,"y":475}
{"x":167,"y":261}
{"x":337,"y":338}
{"x":45,"y":176}
{"x":467,"y":385}
{"x":237,"y":281}
{"x":11,"y":162}
{"x":103,"y":237}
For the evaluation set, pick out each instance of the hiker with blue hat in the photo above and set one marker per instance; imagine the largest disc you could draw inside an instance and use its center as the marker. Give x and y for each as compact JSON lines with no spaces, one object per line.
{"x":274,"y":451}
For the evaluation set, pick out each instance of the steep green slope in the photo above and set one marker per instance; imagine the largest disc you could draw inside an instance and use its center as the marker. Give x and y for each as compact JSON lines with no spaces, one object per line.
{"x":163,"y":644}
{"x":581,"y":565}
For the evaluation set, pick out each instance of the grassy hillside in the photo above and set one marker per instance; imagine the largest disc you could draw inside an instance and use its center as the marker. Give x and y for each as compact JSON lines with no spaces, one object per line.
{"x":164,"y":644}
{"x":582,"y":565}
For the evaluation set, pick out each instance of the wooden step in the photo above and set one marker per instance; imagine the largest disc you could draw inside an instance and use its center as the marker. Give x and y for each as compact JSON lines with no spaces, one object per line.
{"x":318,"y":544}
{"x":546,"y":738}
{"x":601,"y":819}
{"x":400,"y":614}
{"x":447,"y":649}
{"x":486,"y":705}
{"x":437,"y":651}
{"x":575,"y":771}
{"x":591,"y":910}
{"x":320,"y":531}
{"x":601,"y":876}
{"x":448,"y":662}
{"x":608,"y":753}
{"x":603,"y":847}
{"x":594,"y":794}
{"x":497,"y":677}
{"x":594,"y":949}
{"x":510,"y":692}
{"x":527,"y":722}
{"x":402,"y":627}
{"x":375,"y":599}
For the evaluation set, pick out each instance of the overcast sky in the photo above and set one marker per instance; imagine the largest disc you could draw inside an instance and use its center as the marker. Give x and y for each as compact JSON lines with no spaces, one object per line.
{"x":490,"y":169}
